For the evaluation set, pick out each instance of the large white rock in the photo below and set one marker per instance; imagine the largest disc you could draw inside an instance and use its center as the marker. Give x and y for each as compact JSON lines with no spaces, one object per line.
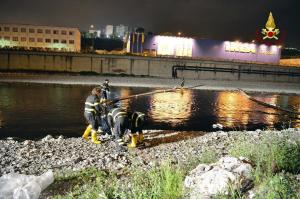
{"x":206,"y":181}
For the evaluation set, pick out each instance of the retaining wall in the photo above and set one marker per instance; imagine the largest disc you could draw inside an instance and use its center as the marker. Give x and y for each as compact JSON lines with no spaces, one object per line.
{"x":138,"y":65}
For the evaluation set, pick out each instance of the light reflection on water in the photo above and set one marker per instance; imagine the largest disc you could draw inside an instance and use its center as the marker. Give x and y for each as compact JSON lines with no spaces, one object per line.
{"x":232,"y":108}
{"x":28,"y":110}
{"x":174,"y":107}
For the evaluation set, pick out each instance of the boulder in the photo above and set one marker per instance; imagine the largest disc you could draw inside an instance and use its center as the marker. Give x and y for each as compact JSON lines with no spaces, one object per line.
{"x":206,"y":181}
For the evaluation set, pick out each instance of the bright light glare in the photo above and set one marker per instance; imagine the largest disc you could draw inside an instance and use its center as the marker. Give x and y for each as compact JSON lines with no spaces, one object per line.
{"x":177,"y":46}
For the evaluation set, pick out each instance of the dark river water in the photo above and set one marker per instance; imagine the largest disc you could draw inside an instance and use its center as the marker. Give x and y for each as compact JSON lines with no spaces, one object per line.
{"x":34,"y":110}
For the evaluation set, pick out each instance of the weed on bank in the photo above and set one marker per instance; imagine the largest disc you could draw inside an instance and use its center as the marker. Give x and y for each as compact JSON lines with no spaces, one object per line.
{"x":276,"y":161}
{"x":275,"y":158}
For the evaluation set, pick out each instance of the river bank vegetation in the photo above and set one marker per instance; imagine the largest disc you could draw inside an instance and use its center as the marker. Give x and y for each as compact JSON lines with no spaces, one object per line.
{"x":275,"y":157}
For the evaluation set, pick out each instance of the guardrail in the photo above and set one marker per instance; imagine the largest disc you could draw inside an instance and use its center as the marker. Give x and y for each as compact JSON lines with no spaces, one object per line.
{"x":240,"y":70}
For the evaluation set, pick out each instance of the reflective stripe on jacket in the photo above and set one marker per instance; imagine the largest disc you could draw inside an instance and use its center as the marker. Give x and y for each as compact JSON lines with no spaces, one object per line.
{"x":136,"y":116}
{"x":114,"y":114}
{"x":92,"y":105}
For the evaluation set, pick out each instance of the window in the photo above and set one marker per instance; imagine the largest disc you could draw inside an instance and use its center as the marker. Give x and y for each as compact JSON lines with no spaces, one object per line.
{"x":6,"y":29}
{"x":39,"y":39}
{"x":71,"y":41}
{"x":63,"y":32}
{"x":48,"y":31}
{"x":55,"y":40}
{"x":71,"y":33}
{"x":6,"y":38}
{"x":15,"y":29}
{"x":55,"y":32}
{"x":23,"y":29}
{"x":31,"y":39}
{"x":31,"y":30}
{"x":39,"y":30}
{"x":48,"y":40}
{"x":23,"y":39}
{"x":63,"y":41}
{"x":15,"y":39}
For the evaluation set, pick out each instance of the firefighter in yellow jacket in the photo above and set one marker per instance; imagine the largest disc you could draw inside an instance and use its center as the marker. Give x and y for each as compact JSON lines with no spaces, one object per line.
{"x":93,"y":110}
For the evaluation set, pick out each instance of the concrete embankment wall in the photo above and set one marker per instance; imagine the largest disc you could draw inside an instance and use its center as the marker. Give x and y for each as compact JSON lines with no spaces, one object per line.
{"x":137,"y":65}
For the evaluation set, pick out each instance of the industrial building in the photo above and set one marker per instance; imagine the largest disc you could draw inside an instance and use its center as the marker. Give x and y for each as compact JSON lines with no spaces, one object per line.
{"x":266,"y":50}
{"x":172,"y":46}
{"x":39,"y":37}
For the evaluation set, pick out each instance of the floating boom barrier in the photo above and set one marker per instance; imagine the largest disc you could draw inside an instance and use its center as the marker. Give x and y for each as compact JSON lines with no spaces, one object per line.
{"x":150,"y":93}
{"x":267,"y":104}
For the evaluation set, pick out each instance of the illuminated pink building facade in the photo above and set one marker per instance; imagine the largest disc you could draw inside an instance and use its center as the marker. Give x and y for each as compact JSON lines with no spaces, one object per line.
{"x":206,"y":49}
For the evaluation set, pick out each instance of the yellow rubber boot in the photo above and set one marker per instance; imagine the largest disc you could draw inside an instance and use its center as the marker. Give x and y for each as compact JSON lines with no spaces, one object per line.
{"x":133,"y":141}
{"x":87,"y":132}
{"x":94,"y":138}
{"x":140,"y":138}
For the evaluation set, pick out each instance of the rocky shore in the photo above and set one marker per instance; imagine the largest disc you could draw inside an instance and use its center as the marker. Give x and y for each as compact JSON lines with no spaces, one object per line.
{"x":36,"y":157}
{"x":63,"y":155}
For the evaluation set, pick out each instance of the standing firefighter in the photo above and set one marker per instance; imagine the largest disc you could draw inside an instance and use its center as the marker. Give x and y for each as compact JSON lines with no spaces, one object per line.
{"x":103,"y":100}
{"x":136,"y":127}
{"x":92,"y":112}
{"x":119,"y":123}
{"x":105,"y":90}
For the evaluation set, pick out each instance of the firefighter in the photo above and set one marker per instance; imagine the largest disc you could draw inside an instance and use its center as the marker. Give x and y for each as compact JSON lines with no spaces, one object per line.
{"x":105,"y":90}
{"x":137,"y":122}
{"x":119,"y":123}
{"x":103,"y":100}
{"x":92,"y":112}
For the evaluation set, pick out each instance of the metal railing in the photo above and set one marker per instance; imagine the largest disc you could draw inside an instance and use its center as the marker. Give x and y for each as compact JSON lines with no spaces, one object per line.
{"x":238,"y":70}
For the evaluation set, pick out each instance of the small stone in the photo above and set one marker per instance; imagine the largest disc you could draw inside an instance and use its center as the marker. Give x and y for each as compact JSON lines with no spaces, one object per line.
{"x":27,"y":142}
{"x":47,"y":138}
{"x":60,"y":137}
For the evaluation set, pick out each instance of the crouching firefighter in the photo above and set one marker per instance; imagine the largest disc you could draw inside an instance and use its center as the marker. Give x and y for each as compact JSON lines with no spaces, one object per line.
{"x":119,"y":123}
{"x":136,"y":127}
{"x":92,"y":112}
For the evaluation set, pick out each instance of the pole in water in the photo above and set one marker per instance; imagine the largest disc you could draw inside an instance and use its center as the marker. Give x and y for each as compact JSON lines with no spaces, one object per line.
{"x":182,"y":83}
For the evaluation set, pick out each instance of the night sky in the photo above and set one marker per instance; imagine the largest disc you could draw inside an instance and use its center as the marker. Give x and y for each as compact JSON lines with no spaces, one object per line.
{"x":214,"y":19}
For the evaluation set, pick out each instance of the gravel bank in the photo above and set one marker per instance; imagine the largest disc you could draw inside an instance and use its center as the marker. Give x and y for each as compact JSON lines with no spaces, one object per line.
{"x":36,"y":157}
{"x":277,"y":87}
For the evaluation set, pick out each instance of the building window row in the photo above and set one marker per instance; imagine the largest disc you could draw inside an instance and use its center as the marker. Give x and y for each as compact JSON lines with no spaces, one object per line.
{"x":40,"y":31}
{"x":40,"y":40}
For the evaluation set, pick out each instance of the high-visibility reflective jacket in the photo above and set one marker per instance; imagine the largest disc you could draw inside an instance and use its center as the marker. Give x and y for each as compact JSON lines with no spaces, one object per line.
{"x":119,"y":122}
{"x":137,"y":121}
{"x":92,"y":105}
{"x":115,"y":114}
